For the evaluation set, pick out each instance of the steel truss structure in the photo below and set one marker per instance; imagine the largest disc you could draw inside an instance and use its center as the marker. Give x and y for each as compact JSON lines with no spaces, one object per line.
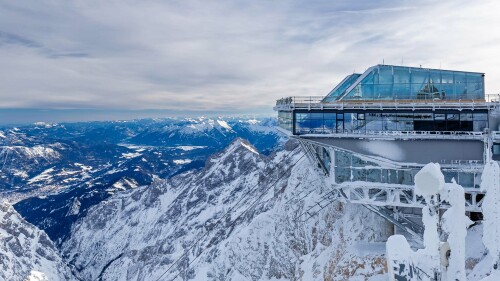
{"x":386,"y":200}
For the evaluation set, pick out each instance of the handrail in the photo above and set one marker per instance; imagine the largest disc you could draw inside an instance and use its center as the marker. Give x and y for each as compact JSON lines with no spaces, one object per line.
{"x":314,"y":103}
{"x":318,"y":99}
{"x":399,"y":134}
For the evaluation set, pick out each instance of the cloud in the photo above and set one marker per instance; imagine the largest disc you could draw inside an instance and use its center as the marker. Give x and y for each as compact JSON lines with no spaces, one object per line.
{"x":225,"y":55}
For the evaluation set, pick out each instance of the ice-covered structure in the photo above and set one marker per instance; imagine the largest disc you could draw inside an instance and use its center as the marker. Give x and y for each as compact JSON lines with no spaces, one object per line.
{"x":375,"y":130}
{"x":437,"y":260}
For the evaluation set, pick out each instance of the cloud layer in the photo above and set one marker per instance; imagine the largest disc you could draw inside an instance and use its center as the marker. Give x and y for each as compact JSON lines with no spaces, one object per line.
{"x":234,"y":56}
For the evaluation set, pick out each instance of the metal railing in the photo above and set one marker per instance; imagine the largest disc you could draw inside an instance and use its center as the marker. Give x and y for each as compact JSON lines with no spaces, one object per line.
{"x":403,"y":134}
{"x":315,"y":102}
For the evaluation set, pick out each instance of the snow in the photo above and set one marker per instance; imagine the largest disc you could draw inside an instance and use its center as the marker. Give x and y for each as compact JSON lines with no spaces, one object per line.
{"x":44,"y":176}
{"x":253,"y":121}
{"x":189,"y":147}
{"x":494,"y":276}
{"x":249,"y":147}
{"x":26,"y":252}
{"x":455,"y":223}
{"x":2,"y":135}
{"x":182,"y":161}
{"x":224,"y":124}
{"x":83,"y":167}
{"x":429,"y":180}
{"x":22,"y":174}
{"x":37,"y":276}
{"x":130,"y":155}
{"x":153,"y":226}
{"x":490,"y":183}
{"x":75,"y":207}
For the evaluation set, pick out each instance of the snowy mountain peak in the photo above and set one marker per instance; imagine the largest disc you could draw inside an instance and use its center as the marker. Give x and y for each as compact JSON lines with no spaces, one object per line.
{"x":241,"y":143}
{"x":141,"y":233}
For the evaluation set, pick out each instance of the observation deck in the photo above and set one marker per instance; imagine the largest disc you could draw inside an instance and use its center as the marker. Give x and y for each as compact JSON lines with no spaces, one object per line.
{"x":374,"y":131}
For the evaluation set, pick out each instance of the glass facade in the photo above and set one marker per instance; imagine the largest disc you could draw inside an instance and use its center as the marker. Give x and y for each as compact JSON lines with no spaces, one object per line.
{"x":341,"y":87}
{"x":349,"y":167}
{"x":386,"y":82}
{"x":285,"y":120}
{"x":341,"y":121}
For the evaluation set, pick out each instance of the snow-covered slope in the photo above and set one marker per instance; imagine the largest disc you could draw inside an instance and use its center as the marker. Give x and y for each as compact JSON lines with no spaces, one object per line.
{"x":139,"y":234}
{"x":26,"y":253}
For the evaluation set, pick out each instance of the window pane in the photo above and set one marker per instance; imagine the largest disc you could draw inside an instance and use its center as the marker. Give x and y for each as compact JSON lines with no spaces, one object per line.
{"x":465,"y":116}
{"x":480,"y":116}
{"x":374,"y":122}
{"x":385,"y":74}
{"x":390,"y":121}
{"x":316,"y":115}
{"x":401,"y":75}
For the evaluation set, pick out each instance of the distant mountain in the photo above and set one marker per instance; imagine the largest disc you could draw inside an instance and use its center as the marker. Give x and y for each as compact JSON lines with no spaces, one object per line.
{"x":48,"y":168}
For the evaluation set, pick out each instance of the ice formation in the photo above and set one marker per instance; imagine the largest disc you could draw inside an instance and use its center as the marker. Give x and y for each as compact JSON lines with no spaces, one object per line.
{"x":455,"y":223}
{"x":490,"y":183}
{"x":431,"y":261}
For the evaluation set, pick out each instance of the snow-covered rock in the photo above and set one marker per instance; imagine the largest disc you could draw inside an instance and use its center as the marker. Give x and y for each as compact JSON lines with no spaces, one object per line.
{"x":143,"y":234}
{"x":26,"y":253}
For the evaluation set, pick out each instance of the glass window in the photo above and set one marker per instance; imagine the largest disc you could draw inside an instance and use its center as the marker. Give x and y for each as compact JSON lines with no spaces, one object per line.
{"x":404,"y":83}
{"x":367,"y":91}
{"x":401,"y":75}
{"x":383,"y":92}
{"x":479,"y":126}
{"x":480,"y":116}
{"x":402,"y":91}
{"x":329,"y":126}
{"x":374,"y":175}
{"x":341,"y":87}
{"x":449,"y":175}
{"x":435,"y":76}
{"x":440,"y":122}
{"x":465,"y":116}
{"x":316,"y":126}
{"x":361,"y":116}
{"x":423,"y":116}
{"x":316,"y":115}
{"x":466,"y":179}
{"x":405,"y":121}
{"x":423,"y":122}
{"x":342,"y":174}
{"x":446,"y":77}
{"x":340,"y":115}
{"x":460,"y":77}
{"x":349,"y":121}
{"x":342,"y":159}
{"x":329,"y":115}
{"x":374,"y":122}
{"x":452,"y":117}
{"x":358,"y":175}
{"x":385,"y":74}
{"x":439,"y":116}
{"x":301,"y":116}
{"x":419,"y":76}
{"x":340,"y":126}
{"x":389,"y":121}
{"x":496,"y":149}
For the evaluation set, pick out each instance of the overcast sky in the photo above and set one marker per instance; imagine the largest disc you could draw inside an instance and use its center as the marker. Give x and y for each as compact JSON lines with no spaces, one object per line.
{"x":228,"y":56}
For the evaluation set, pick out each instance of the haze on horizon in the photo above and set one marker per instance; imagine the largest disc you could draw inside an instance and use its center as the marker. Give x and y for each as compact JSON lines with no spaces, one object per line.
{"x":224,"y":56}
